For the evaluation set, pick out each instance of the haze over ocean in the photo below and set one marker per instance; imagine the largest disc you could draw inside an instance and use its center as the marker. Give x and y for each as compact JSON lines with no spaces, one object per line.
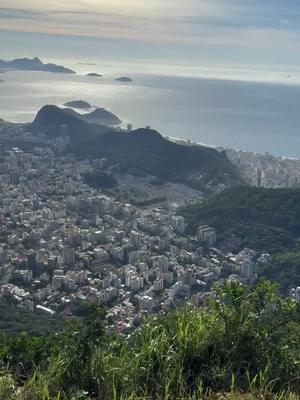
{"x":248,"y":115}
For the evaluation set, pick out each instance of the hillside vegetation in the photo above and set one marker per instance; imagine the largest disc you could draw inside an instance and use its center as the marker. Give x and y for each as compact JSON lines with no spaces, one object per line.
{"x":50,"y":118}
{"x":267,"y":220}
{"x":264,"y":219}
{"x":245,"y":342}
{"x":14,"y":320}
{"x":143,"y":151}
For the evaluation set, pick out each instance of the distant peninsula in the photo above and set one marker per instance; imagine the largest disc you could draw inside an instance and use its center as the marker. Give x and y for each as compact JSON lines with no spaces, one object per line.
{"x":94,"y":74}
{"x":78,"y":104}
{"x":124,"y":79}
{"x":86,"y":63}
{"x":34,"y":64}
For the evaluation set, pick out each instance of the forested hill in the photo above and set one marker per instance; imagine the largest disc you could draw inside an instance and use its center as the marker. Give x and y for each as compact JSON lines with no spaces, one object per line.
{"x":263,"y":219}
{"x":146,"y":151}
{"x":143,"y":151}
{"x":50,"y":118}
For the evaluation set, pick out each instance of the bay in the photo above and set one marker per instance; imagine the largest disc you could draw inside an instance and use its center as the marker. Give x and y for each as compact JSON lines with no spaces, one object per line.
{"x":254,"y":116}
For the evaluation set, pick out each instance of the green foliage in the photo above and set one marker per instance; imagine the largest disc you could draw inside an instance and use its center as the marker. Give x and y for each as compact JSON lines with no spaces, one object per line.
{"x":7,"y":386}
{"x":50,"y":118}
{"x":284,"y":269}
{"x":149,"y":202}
{"x":264,"y":219}
{"x":14,"y":320}
{"x":147,"y":152}
{"x":22,"y":353}
{"x":245,"y":340}
{"x":100,"y":180}
{"x":143,"y":151}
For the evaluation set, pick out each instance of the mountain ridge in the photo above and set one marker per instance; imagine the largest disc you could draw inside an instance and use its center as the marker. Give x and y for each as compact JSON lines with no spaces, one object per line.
{"x":143,"y":151}
{"x":34,"y":64}
{"x":102,"y":117}
{"x":50,"y":118}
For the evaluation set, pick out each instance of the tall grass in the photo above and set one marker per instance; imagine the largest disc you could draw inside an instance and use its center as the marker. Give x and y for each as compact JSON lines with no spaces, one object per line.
{"x":245,"y":344}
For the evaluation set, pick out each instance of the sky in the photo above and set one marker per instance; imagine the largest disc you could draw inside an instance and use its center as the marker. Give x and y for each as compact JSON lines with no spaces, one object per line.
{"x":247,"y":34}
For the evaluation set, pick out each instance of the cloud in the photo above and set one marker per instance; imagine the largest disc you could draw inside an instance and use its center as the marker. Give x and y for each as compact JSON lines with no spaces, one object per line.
{"x":154,"y":8}
{"x":15,"y":14}
{"x":108,"y":18}
{"x":227,"y":25}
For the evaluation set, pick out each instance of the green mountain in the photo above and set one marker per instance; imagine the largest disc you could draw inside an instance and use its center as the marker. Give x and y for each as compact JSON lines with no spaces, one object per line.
{"x":143,"y":151}
{"x":50,"y":118}
{"x":262,"y":219}
{"x":146,"y":151}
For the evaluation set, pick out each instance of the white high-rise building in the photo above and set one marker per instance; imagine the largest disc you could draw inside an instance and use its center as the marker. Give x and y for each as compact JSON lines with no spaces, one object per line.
{"x":135,"y":238}
{"x":207,"y":235}
{"x":158,"y":285}
{"x":296,"y":294}
{"x":69,"y":255}
{"x":246,"y":268}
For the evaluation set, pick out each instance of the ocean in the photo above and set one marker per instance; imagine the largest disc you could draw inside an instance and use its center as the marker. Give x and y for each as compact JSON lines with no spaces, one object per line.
{"x":247,"y":115}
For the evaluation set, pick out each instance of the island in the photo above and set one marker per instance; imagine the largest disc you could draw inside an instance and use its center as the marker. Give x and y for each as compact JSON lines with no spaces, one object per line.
{"x":78,"y":104}
{"x":124,"y":79}
{"x":94,"y":74}
{"x":99,"y":116}
{"x":34,"y":64}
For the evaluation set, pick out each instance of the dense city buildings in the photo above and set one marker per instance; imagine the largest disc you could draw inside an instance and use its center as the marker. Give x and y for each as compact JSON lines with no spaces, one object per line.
{"x":266,"y":170}
{"x":63,"y":241}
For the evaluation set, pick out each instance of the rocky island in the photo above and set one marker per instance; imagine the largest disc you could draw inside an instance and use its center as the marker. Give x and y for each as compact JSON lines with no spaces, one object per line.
{"x":35,"y":64}
{"x":78,"y":104}
{"x":124,"y":79}
{"x":94,"y":74}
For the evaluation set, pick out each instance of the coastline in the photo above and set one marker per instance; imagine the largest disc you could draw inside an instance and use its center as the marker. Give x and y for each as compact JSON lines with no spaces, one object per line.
{"x":188,"y":142}
{"x":200,"y":109}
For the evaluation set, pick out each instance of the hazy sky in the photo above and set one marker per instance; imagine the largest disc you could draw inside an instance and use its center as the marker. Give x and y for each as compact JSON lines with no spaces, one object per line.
{"x":252,"y":34}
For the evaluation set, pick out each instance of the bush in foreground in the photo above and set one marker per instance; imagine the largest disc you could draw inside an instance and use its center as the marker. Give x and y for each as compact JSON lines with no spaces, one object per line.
{"x":245,"y":343}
